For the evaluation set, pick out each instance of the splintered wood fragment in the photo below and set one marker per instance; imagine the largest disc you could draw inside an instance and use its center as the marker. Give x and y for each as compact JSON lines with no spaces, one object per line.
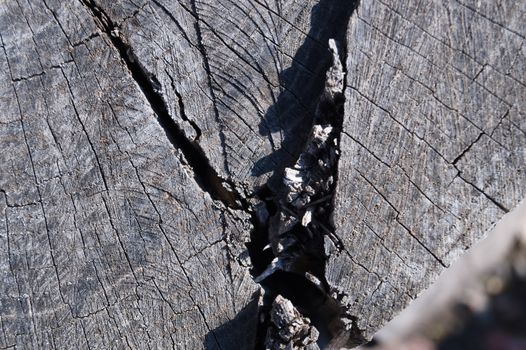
{"x":294,"y":231}
{"x":289,"y":329}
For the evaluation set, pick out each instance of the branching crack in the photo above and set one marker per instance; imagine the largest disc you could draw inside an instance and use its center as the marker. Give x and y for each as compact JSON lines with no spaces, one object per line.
{"x":204,"y":174}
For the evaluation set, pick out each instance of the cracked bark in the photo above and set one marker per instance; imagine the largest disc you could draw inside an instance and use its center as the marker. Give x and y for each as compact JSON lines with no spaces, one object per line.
{"x":144,"y":146}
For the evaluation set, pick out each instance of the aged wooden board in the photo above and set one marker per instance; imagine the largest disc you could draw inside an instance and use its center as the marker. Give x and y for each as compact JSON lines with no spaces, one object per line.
{"x":106,"y":240}
{"x":433,"y":146}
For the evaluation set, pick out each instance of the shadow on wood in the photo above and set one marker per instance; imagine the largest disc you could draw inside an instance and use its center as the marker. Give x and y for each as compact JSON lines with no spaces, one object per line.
{"x":293,"y":111}
{"x":238,"y":333}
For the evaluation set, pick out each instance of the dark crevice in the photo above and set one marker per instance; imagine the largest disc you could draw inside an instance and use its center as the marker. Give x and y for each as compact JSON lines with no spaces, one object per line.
{"x":183,"y":114}
{"x":310,"y":299}
{"x":415,"y":237}
{"x":29,"y":77}
{"x":490,"y":198}
{"x":461,"y":155}
{"x":39,"y":74}
{"x":205,"y":175}
{"x":86,"y":39}
{"x":298,"y":271}
{"x":259,"y":256}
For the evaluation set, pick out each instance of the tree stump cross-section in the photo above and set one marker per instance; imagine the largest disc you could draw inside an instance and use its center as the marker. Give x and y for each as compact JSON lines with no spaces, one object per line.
{"x":145,"y":144}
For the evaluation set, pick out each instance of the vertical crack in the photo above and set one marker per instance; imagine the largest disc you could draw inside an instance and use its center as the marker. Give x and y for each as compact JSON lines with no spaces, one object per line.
{"x":293,"y":222}
{"x":206,"y":62}
{"x":295,"y":225}
{"x":304,"y":208}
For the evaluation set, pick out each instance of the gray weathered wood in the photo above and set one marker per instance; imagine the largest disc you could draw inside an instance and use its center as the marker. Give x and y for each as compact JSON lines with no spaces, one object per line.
{"x":135,"y":134}
{"x":106,"y":239}
{"x":433,"y":146}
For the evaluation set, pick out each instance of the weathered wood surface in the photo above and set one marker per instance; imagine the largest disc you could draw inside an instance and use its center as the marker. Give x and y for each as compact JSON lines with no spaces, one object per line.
{"x":433,"y":146}
{"x":106,"y":239}
{"x":128,"y":128}
{"x":247,"y":74}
